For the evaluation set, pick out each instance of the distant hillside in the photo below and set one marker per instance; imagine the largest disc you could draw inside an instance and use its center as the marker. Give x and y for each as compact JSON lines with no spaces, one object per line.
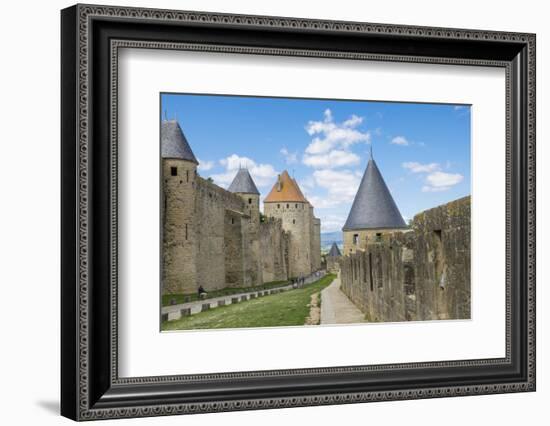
{"x":327,"y":238}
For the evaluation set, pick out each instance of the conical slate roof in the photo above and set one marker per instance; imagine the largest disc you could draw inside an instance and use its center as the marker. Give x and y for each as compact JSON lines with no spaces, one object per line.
{"x":334,"y":251}
{"x":243,"y":183}
{"x":173,"y":142}
{"x":285,"y":189}
{"x":373,"y":206}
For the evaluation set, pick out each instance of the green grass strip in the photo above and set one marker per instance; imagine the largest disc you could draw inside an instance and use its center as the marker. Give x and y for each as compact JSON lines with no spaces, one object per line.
{"x":277,"y":310}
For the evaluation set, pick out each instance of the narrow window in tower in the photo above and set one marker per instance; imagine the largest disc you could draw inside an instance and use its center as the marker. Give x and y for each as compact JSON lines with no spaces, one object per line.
{"x":294,"y":221}
{"x":278,"y":206}
{"x":250,"y":201}
{"x":295,"y":206}
{"x":174,"y":171}
{"x":186,"y":232}
{"x":355,"y":238}
{"x":187,"y":173}
{"x":378,"y":237}
{"x":287,"y":206}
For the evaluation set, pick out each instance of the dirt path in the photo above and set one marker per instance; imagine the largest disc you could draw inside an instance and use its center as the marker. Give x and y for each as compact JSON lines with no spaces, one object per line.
{"x":314,"y":310}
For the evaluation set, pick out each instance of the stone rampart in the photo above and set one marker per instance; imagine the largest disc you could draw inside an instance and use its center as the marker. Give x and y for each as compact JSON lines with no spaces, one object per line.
{"x":422,"y":273}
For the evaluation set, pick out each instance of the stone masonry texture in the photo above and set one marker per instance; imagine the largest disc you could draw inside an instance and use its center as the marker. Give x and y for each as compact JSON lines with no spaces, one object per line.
{"x":216,"y":239}
{"x":422,"y":273}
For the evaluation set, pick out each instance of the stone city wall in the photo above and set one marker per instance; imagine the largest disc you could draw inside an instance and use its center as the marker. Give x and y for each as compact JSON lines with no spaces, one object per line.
{"x":274,"y":248}
{"x":213,"y":238}
{"x":315,"y":243}
{"x":419,"y":274}
{"x":214,"y":207}
{"x":333,"y":263}
{"x":296,"y":221}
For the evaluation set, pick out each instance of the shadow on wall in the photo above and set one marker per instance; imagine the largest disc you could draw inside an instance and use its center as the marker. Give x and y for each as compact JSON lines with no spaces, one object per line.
{"x":419,"y":274}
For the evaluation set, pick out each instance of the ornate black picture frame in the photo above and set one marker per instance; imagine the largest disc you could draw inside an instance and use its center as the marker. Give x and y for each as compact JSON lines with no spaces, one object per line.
{"x":91,"y":37}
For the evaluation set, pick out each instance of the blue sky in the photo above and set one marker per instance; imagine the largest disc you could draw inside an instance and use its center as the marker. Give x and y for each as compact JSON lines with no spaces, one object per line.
{"x":422,"y":150}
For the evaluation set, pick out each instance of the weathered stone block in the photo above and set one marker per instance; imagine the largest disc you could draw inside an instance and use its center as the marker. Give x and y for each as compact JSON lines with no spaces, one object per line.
{"x":174,"y":315}
{"x":419,"y":274}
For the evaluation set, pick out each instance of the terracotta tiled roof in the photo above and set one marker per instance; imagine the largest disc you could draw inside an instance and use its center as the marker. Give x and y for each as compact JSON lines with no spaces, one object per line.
{"x":285,"y":189}
{"x":298,"y":188}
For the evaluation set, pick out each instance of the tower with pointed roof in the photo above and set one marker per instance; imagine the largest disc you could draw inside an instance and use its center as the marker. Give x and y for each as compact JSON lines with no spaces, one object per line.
{"x":287,"y":203}
{"x":333,"y":257}
{"x":372,"y":213}
{"x":334,"y":251}
{"x":214,"y":237}
{"x":179,"y":171}
{"x":243,"y":185}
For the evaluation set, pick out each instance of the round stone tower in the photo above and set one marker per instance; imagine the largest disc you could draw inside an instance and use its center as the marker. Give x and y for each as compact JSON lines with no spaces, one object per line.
{"x":287,"y":203}
{"x":243,"y":185}
{"x":179,"y":169}
{"x":372,"y":213}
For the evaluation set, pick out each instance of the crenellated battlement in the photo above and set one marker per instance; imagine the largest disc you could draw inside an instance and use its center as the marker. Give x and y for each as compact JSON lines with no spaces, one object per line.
{"x":422,"y":273}
{"x":214,"y":238}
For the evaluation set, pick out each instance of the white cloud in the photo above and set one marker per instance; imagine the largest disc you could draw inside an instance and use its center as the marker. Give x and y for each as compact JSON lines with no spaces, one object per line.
{"x":334,"y":158}
{"x":353,"y":121}
{"x":421,"y":168}
{"x":341,"y":187}
{"x":441,"y":181}
{"x":400,"y":140}
{"x":331,"y":143}
{"x":330,"y":135}
{"x":263,"y":174}
{"x":331,"y":223}
{"x":205,"y":165}
{"x":436,"y":180}
{"x":307,"y":183}
{"x":290,"y":157}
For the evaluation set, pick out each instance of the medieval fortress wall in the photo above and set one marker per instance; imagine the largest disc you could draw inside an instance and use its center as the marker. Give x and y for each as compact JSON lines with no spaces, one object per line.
{"x":296,"y":219}
{"x":421,"y":273}
{"x":274,"y":249}
{"x":216,"y":238}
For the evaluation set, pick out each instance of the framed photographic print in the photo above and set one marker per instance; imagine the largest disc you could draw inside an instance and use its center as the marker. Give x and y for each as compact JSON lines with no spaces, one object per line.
{"x":263,"y":212}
